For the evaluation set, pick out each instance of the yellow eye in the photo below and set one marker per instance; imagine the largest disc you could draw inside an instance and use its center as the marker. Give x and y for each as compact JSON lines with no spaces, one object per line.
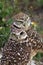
{"x":34,"y":23}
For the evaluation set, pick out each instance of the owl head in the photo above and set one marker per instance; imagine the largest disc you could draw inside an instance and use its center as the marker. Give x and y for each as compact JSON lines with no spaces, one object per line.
{"x":22,"y":21}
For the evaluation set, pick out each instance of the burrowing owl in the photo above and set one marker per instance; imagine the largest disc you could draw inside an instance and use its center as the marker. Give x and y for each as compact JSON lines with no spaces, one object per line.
{"x":34,"y":38}
{"x":23,"y":43}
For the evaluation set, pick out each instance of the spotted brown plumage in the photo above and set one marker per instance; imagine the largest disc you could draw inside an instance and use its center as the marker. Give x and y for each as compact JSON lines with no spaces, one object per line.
{"x":23,"y":43}
{"x":16,"y":51}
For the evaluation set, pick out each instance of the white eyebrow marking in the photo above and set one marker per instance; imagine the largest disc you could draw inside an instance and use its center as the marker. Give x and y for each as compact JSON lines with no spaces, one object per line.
{"x":16,"y":25}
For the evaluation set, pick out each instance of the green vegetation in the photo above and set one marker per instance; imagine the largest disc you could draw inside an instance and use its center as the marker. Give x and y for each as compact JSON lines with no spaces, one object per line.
{"x":4,"y":25}
{"x":6,"y":11}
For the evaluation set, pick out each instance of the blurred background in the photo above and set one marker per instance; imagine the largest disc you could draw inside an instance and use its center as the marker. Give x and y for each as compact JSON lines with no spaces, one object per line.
{"x":8,"y":8}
